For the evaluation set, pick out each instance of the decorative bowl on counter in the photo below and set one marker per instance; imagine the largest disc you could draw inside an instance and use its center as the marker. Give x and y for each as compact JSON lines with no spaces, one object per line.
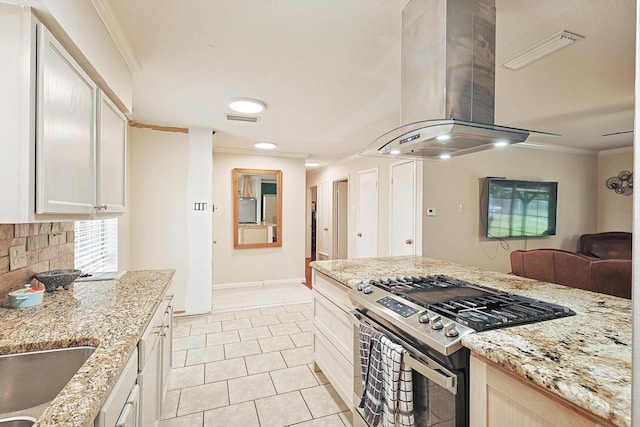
{"x":55,"y":278}
{"x":26,"y":297}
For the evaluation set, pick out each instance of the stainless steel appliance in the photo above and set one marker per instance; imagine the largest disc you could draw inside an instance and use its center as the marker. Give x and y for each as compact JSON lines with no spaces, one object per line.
{"x":428,"y":316}
{"x":447,"y":83}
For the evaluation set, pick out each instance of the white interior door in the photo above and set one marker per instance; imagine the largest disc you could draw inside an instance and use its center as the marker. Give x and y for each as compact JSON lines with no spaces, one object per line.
{"x":403,"y":212}
{"x":341,"y":239}
{"x":367,"y":229}
{"x":324,"y":234}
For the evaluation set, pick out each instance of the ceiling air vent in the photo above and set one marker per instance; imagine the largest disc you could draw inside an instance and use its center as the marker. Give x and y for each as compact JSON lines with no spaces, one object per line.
{"x":238,"y":118}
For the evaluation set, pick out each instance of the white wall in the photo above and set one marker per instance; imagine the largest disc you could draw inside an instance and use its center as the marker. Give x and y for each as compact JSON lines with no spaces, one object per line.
{"x":349,"y":169}
{"x":615,"y":211}
{"x":455,"y":236}
{"x":286,"y":263}
{"x":167,"y":173}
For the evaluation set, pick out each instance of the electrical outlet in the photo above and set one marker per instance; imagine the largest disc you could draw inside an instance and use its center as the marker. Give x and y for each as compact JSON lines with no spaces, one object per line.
{"x":17,"y":257}
{"x":431,"y":212}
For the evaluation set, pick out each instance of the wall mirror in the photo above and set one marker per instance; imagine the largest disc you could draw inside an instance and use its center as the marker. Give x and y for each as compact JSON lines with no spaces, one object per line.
{"x":257,"y":208}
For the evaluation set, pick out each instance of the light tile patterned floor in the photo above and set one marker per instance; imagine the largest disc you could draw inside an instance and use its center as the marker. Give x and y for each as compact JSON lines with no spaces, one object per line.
{"x":250,"y":367}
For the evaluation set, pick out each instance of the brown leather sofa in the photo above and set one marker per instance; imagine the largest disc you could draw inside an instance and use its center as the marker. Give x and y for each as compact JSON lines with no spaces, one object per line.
{"x":607,"y":276}
{"x":607,"y":245}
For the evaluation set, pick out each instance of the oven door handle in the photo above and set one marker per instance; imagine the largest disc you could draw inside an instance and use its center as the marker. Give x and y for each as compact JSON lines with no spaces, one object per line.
{"x":438,"y":376}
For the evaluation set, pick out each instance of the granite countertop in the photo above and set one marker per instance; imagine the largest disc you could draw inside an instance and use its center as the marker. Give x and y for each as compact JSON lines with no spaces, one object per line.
{"x":110,"y":315}
{"x":585,"y":359}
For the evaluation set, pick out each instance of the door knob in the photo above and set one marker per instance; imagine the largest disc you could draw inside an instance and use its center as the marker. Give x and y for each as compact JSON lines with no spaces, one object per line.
{"x":359,"y":234}
{"x":408,"y":241}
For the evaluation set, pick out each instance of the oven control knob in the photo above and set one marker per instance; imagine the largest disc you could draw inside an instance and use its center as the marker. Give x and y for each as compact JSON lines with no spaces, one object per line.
{"x":367,"y":289}
{"x":450,"y":330}
{"x":361,"y":286}
{"x":436,"y":322}
{"x":424,"y":317}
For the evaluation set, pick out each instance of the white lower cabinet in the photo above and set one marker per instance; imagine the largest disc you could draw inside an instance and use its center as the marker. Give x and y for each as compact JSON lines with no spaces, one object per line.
{"x":333,"y":344}
{"x":500,"y":399}
{"x":121,"y":407}
{"x":138,"y":395}
{"x":154,"y":363}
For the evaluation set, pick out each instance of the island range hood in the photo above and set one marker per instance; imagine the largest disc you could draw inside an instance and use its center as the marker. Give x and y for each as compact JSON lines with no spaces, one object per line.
{"x":447,"y":82}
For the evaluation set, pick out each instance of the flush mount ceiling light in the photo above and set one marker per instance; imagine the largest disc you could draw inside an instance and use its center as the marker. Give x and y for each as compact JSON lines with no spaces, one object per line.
{"x":265,"y":145}
{"x":543,"y":48}
{"x":247,"y":105}
{"x":445,"y":156}
{"x":312,"y":164}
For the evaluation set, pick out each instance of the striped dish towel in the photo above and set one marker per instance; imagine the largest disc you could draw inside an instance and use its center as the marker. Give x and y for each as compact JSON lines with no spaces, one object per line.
{"x":371,"y":369}
{"x":397,"y":401}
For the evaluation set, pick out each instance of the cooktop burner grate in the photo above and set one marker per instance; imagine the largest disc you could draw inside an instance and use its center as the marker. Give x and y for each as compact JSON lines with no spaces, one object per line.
{"x":473,"y":305}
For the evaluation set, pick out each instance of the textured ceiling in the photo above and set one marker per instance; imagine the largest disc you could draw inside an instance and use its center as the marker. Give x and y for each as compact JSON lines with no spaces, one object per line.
{"x":329,"y":70}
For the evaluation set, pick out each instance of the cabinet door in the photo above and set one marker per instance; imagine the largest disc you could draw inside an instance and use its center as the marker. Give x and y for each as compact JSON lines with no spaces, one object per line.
{"x":149,"y":381}
{"x":65,"y":161}
{"x":167,"y":350}
{"x":111,"y":156}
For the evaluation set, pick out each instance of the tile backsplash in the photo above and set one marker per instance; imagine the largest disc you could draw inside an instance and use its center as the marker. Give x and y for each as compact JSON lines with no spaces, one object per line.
{"x":27,"y":249}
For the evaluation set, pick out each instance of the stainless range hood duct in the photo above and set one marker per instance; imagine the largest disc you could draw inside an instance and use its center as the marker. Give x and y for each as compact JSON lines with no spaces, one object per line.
{"x":448,"y":78}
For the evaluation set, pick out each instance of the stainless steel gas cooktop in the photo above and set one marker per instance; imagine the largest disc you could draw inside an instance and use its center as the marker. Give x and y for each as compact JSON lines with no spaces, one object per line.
{"x":438,"y":310}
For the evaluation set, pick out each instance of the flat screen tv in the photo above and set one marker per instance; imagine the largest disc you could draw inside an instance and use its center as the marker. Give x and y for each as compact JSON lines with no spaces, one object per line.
{"x":518,"y":209}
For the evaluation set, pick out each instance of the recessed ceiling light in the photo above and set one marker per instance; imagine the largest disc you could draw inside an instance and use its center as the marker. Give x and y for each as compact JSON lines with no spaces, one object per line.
{"x":247,"y":105}
{"x":265,"y":145}
{"x":312,"y":164}
{"x":501,"y":143}
{"x":444,"y":137}
{"x":445,"y":156}
{"x":394,"y":152}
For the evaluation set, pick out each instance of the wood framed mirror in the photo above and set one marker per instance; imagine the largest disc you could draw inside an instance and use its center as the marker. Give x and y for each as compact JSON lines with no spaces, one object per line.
{"x":257,"y":208}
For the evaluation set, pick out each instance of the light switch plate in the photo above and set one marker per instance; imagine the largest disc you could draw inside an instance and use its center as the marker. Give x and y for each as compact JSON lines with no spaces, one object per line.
{"x":17,"y":257}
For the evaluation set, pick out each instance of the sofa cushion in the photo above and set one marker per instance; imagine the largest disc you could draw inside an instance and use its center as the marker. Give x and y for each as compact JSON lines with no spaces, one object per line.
{"x":612,"y":276}
{"x":608,"y":276}
{"x":608,"y":245}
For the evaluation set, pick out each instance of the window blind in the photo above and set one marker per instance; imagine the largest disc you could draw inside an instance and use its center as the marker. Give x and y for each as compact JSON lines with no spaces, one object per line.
{"x":96,"y":245}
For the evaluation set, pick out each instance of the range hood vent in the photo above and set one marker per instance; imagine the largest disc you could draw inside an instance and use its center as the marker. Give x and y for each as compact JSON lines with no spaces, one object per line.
{"x":447,"y":82}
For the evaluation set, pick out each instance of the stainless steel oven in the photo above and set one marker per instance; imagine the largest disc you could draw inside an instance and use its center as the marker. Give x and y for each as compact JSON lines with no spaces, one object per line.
{"x":428,"y":316}
{"x":440,"y":393}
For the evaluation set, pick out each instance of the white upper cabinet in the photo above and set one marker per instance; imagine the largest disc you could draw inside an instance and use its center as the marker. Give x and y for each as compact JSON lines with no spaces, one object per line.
{"x":65,"y":135}
{"x":63,"y":143}
{"x":111,"y":157}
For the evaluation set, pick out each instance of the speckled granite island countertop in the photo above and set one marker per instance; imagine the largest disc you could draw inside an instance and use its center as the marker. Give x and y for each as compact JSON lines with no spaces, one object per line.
{"x":585,"y":359}
{"x":110,"y":315}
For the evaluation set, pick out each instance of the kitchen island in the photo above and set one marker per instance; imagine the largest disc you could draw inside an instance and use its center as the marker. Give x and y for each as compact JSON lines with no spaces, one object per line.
{"x":583,"y":359}
{"x":110,"y":315}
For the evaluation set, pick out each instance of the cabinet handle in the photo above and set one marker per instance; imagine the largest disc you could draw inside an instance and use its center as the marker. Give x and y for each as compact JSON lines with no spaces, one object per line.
{"x":131,"y":401}
{"x":100,"y":207}
{"x":408,"y":241}
{"x":359,"y":234}
{"x":124,"y":416}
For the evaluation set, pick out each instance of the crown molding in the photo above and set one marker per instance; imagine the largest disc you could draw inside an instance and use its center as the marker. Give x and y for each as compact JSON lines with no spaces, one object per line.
{"x":552,"y":147}
{"x":117,"y":35}
{"x":615,"y":151}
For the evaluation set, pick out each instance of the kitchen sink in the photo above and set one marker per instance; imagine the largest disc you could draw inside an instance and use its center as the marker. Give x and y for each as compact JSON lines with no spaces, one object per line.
{"x":33,"y":378}
{"x":17,"y":422}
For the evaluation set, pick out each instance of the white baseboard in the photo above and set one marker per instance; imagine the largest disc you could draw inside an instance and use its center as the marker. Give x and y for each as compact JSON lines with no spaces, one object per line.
{"x":237,"y":285}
